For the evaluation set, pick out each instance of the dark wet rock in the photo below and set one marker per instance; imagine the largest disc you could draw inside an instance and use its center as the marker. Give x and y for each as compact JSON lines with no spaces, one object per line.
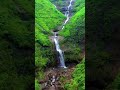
{"x":64,"y":9}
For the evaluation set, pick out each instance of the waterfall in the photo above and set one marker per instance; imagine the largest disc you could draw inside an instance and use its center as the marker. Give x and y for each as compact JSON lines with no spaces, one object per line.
{"x":61,"y":58}
{"x":67,"y":13}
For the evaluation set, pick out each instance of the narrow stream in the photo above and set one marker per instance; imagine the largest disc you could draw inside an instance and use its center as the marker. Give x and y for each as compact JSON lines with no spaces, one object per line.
{"x":56,"y":41}
{"x":67,"y":13}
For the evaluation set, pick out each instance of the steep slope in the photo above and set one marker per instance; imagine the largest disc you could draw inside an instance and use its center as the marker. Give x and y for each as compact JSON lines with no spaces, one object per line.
{"x":47,"y":18}
{"x":75,"y":24}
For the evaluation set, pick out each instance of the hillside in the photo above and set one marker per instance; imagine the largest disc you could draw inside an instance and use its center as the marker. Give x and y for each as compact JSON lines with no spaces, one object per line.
{"x":76,"y":22}
{"x":47,"y":17}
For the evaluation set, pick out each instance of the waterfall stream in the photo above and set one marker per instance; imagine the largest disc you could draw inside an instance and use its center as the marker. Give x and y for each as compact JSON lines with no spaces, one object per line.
{"x":61,"y":58}
{"x":56,"y":41}
{"x":67,"y":13}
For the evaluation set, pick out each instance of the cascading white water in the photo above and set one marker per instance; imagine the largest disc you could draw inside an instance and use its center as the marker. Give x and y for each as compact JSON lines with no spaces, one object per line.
{"x":67,"y":13}
{"x":61,"y":58}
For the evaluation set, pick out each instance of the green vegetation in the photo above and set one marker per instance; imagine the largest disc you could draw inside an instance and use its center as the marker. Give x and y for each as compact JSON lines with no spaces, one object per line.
{"x":46,"y":19}
{"x":76,"y":25}
{"x":78,"y":81}
{"x":47,"y":16}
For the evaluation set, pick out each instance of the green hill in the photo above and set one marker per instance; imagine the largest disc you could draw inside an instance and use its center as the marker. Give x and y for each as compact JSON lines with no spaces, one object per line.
{"x":75,"y":25}
{"x":47,"y":17}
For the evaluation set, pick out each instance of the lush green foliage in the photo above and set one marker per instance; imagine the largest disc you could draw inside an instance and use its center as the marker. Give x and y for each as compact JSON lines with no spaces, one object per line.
{"x":47,"y":17}
{"x":78,"y":81}
{"x":75,"y":25}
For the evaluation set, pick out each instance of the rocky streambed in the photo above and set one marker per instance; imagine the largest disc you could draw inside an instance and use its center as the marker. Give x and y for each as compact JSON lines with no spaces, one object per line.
{"x":56,"y":78}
